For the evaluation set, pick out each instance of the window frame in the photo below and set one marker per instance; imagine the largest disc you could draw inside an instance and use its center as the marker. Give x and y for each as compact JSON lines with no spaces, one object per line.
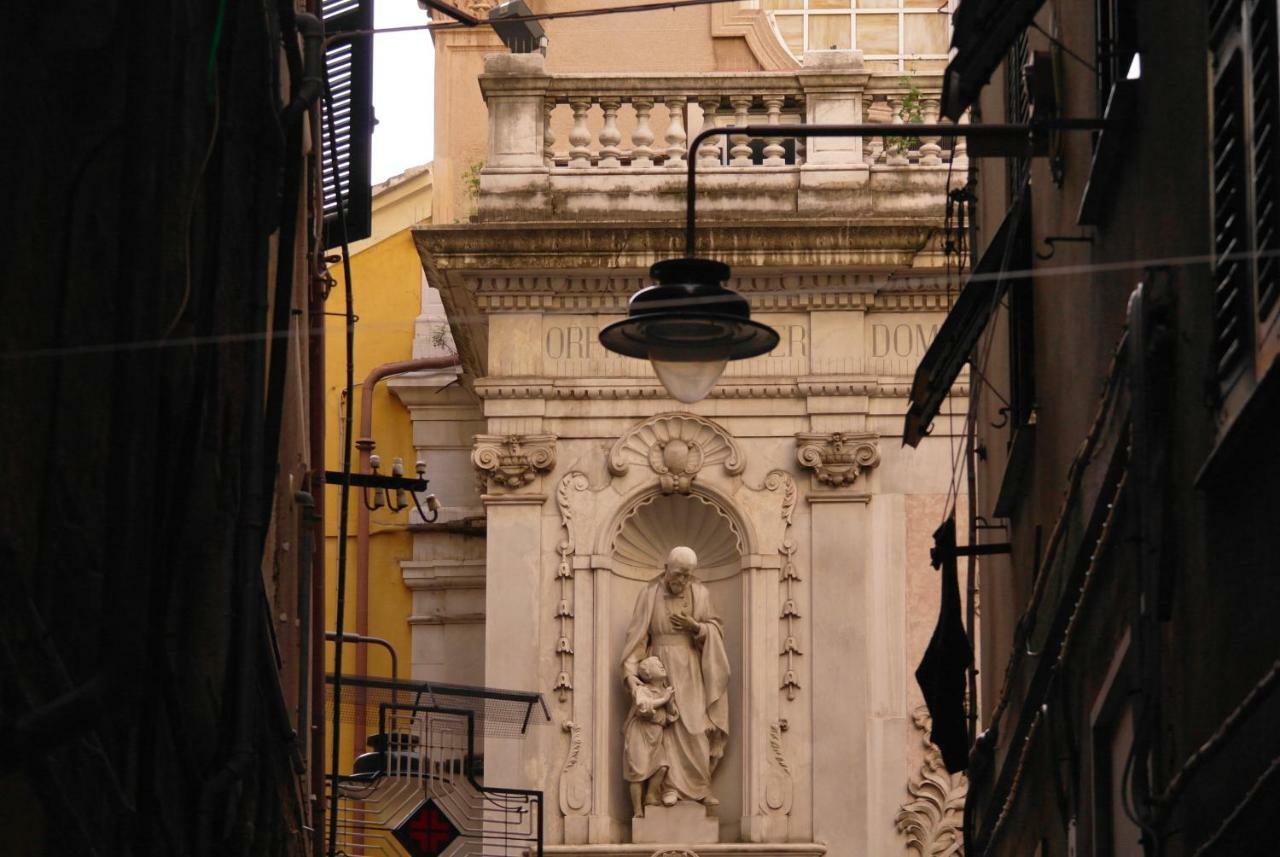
{"x":900,"y":10}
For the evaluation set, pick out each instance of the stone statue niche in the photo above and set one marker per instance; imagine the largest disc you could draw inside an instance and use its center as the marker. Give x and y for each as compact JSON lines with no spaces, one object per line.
{"x":671,"y":749}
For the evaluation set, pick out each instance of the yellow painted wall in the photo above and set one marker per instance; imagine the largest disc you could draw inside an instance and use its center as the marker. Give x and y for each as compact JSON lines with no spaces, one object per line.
{"x":387,"y":283}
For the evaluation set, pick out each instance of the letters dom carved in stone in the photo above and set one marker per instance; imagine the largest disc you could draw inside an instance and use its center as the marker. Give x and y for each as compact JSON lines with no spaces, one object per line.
{"x":513,"y":461}
{"x":676,"y":447}
{"x":837,"y":459}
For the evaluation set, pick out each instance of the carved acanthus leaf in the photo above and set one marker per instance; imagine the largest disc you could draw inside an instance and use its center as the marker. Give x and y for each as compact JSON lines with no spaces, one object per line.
{"x":837,"y":459}
{"x":676,"y":447}
{"x":513,"y":461}
{"x":575,"y":777}
{"x":932,"y":819}
{"x":778,"y":785}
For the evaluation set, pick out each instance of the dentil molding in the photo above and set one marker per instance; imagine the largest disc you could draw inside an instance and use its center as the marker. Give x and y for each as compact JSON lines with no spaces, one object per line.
{"x":837,"y":458}
{"x":513,"y":461}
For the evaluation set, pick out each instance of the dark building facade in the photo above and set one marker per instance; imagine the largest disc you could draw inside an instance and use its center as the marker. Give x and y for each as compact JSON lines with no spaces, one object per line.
{"x":160,"y":615}
{"x":1121,"y":332}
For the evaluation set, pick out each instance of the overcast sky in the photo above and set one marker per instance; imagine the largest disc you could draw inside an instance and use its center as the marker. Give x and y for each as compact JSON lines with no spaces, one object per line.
{"x":403,"y":90}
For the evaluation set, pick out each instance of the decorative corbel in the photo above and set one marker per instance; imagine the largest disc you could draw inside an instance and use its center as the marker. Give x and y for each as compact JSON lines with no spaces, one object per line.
{"x":513,"y":461}
{"x":837,"y":459}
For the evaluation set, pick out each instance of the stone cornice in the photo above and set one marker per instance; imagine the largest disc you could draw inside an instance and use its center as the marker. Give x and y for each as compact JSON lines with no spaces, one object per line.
{"x":766,"y":292}
{"x":880,"y":243}
{"x":730,"y":388}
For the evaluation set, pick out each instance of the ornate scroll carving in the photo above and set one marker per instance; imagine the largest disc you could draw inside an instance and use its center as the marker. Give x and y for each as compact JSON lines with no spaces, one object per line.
{"x":837,"y":459}
{"x":780,"y":480}
{"x":932,"y":819}
{"x":513,"y":461}
{"x":575,"y":776}
{"x":574,"y":481}
{"x":778,"y":786}
{"x":676,"y":447}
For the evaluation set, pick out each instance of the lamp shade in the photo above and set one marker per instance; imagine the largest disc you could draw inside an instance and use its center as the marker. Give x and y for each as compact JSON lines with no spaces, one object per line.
{"x":689,"y":326}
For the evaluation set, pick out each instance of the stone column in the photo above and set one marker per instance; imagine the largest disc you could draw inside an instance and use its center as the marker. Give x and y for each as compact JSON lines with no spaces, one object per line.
{"x":833,"y":82}
{"x":515,"y":87}
{"x":840,"y":529}
{"x":512,"y":467}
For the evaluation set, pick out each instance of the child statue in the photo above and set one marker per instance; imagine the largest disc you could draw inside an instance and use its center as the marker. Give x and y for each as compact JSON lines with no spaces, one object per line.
{"x":643,"y":752}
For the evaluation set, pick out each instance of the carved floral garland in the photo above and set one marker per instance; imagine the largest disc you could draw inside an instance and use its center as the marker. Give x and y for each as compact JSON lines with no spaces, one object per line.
{"x":780,"y":480}
{"x":577,"y":481}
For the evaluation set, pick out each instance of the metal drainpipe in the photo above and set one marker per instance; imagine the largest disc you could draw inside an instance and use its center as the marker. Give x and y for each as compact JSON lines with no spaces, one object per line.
{"x":365,"y":445}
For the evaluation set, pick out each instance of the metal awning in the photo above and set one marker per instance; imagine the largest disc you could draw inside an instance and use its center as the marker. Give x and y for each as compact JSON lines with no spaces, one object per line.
{"x":982,"y":32}
{"x":966,"y":321}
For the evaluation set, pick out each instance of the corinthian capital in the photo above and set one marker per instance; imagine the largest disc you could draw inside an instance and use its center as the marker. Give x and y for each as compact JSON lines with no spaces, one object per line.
{"x":513,"y":461}
{"x":837,"y":459}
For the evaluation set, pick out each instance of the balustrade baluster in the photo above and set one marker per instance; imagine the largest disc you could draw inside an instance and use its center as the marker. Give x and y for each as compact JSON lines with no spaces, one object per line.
{"x":896,"y":147}
{"x":580,"y":135}
{"x":676,"y":137}
{"x":930,"y":151}
{"x":709,"y":151}
{"x":610,"y":136}
{"x":548,"y":135}
{"x":740,"y":152}
{"x":642,"y":150}
{"x":774,"y":154}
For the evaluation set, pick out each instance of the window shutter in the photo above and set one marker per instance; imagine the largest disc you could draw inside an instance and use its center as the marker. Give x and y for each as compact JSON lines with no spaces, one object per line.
{"x":1265,"y":74}
{"x":1230,"y":216}
{"x":349,"y":71}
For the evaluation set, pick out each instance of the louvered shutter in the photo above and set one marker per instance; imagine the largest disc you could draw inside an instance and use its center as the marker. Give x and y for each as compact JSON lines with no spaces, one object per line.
{"x":349,"y":68}
{"x":1230,"y":215}
{"x":1264,"y":69}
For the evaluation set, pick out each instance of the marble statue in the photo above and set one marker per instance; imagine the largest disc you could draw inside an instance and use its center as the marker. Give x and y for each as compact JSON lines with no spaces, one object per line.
{"x":673,"y":755}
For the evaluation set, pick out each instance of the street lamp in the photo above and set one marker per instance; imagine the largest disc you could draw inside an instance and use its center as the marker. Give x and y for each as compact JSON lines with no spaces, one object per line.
{"x":689,"y":327}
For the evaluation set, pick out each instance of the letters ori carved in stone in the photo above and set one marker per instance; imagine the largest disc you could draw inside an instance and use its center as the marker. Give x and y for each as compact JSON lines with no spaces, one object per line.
{"x":513,"y":461}
{"x":676,"y":447}
{"x":837,"y":459}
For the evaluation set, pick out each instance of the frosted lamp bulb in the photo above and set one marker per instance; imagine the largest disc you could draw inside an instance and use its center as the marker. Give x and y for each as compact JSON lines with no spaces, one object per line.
{"x":689,"y":382}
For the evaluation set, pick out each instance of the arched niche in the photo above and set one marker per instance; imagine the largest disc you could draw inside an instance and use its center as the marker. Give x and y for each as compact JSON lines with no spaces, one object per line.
{"x":643,"y":535}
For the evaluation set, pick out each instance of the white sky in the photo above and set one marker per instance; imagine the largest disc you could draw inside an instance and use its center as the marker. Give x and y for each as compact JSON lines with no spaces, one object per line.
{"x":403,"y":90}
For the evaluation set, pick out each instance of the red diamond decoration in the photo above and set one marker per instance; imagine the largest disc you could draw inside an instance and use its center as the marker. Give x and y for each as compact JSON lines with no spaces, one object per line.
{"x":427,"y":832}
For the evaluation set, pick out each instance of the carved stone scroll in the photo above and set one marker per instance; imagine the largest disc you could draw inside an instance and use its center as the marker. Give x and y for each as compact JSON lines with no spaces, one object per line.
{"x":513,"y":461}
{"x":933,"y":818}
{"x":837,"y":459}
{"x":676,"y":447}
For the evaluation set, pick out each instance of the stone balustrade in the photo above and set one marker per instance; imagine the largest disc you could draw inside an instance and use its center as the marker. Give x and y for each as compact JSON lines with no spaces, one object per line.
{"x":580,"y":145}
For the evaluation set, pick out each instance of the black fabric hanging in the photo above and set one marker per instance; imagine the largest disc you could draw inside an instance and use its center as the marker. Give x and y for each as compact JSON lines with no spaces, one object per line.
{"x":941,"y":674}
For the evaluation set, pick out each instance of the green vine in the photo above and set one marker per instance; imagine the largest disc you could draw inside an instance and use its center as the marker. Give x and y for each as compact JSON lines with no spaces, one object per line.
{"x":911,"y":113}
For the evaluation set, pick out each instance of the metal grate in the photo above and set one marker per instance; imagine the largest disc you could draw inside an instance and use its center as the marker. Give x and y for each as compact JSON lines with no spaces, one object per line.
{"x":349,"y":74}
{"x":419,"y":790}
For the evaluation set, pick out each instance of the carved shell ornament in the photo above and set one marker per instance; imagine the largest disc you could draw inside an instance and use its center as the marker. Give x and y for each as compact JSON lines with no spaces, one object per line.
{"x":676,"y":447}
{"x":661,"y":521}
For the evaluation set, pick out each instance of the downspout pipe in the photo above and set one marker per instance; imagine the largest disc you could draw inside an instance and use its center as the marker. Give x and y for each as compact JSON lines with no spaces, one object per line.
{"x":365,"y":445}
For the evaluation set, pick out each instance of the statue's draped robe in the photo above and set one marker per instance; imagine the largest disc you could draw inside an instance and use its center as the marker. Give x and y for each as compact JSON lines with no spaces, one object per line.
{"x":698,"y":667}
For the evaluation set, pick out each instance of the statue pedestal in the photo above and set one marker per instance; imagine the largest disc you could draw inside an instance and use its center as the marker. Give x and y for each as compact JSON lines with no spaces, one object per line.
{"x":686,"y":822}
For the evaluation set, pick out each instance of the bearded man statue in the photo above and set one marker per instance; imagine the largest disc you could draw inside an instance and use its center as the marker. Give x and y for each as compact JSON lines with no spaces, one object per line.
{"x":673,"y":620}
